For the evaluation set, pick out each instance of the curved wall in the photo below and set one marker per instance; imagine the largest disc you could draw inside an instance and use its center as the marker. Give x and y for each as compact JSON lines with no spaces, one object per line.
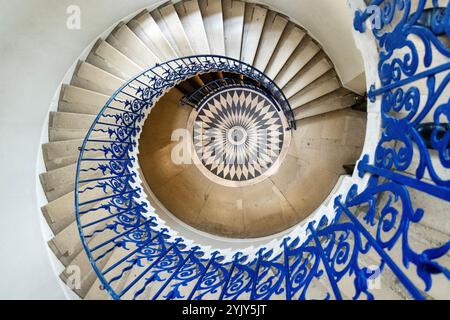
{"x":36,"y":50}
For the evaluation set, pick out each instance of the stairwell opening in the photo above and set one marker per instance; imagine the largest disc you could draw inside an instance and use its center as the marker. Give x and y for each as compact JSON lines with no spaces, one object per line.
{"x":211,"y":195}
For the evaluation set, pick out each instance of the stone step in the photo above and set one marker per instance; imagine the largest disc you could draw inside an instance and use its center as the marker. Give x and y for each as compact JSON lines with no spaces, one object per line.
{"x":169,"y":23}
{"x":61,"y":181}
{"x":97,"y":291}
{"x":66,"y":244}
{"x":325,"y":84}
{"x":290,"y":40}
{"x":127,"y":42}
{"x":301,"y":56}
{"x":64,"y":120}
{"x":78,"y":100}
{"x":337,"y":100}
{"x":192,"y":21}
{"x":146,"y":28}
{"x":60,"y":213}
{"x":212,"y":14}
{"x":233,"y":22}
{"x":80,"y":268}
{"x":274,"y":27}
{"x":315,"y":68}
{"x":111,"y":60}
{"x":60,"y":134}
{"x":61,"y":153}
{"x":90,"y":77}
{"x":254,"y":19}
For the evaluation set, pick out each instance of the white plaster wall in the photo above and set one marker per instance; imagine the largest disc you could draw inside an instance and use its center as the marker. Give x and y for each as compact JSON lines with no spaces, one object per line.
{"x":36,"y":50}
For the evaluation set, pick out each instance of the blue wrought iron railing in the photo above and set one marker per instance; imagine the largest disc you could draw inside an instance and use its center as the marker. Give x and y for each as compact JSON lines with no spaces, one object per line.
{"x":196,"y":98}
{"x":369,"y":239}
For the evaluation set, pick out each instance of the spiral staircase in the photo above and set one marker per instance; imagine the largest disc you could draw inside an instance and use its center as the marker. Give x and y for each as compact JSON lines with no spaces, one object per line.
{"x":326,"y":213}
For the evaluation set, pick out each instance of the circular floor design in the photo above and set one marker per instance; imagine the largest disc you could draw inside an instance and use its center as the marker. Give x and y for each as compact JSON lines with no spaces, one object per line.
{"x":239,"y":137}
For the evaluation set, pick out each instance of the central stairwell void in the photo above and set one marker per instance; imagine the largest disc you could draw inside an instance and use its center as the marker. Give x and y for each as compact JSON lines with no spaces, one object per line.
{"x":208,"y":150}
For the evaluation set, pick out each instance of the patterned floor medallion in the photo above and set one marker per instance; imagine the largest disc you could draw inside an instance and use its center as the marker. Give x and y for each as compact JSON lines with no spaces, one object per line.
{"x":239,"y":137}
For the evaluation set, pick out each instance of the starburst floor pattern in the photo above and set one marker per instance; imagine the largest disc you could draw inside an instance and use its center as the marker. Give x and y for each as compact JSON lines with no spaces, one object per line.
{"x":239,"y":137}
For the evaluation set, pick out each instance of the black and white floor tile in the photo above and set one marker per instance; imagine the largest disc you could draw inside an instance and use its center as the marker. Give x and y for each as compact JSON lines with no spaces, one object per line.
{"x":238,"y":136}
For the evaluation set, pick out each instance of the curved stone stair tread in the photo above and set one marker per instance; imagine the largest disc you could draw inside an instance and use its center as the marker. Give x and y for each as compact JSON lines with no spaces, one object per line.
{"x":254,"y":19}
{"x":157,"y":17}
{"x":90,"y":77}
{"x":318,"y":288}
{"x":78,"y":100}
{"x":60,"y":212}
{"x":81,"y":266}
{"x":66,"y":244}
{"x":111,"y":60}
{"x":71,"y":120}
{"x":63,"y":153}
{"x":58,"y":182}
{"x":74,"y":126}
{"x":274,"y":27}
{"x":146,"y":28}
{"x":298,"y":59}
{"x":170,"y":25}
{"x":434,"y":227}
{"x":62,"y":134}
{"x":336,"y":100}
{"x":389,"y":289}
{"x":313,"y":70}
{"x":290,"y":40}
{"x":127,"y":42}
{"x":71,"y":126}
{"x":212,"y":14}
{"x":233,"y":25}
{"x":96,"y":291}
{"x":192,"y":21}
{"x":316,"y":291}
{"x":419,"y":240}
{"x":137,"y":275}
{"x":325,"y":84}
{"x":132,"y":277}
